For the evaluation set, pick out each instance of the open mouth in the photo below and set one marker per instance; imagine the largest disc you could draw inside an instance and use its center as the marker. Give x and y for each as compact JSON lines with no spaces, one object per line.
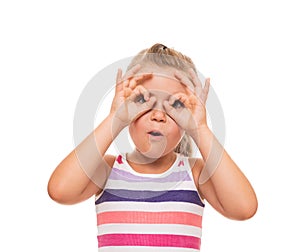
{"x":155,"y":133}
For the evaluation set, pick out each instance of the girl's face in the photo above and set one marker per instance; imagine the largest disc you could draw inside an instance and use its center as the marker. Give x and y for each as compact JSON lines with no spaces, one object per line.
{"x":155,"y":133}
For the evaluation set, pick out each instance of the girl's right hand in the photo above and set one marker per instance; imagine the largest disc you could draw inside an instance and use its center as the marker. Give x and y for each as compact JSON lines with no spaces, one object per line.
{"x":131,"y":99}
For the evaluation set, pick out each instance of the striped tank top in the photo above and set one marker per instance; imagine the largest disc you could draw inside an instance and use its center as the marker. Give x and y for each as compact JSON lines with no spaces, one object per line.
{"x":149,"y":212}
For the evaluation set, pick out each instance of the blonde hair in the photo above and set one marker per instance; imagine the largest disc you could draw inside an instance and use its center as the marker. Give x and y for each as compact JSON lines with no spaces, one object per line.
{"x":162,"y":56}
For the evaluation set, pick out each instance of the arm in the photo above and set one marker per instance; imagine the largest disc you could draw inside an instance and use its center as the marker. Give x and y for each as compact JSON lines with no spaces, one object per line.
{"x":85,"y":170}
{"x":221,"y":182}
{"x":72,"y":180}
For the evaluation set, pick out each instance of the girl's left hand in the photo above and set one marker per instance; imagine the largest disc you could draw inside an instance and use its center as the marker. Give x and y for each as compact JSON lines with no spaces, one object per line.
{"x":188,"y":109}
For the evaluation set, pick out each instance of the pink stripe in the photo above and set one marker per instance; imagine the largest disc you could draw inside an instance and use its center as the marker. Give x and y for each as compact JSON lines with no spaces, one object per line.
{"x":149,"y":218}
{"x":158,"y":240}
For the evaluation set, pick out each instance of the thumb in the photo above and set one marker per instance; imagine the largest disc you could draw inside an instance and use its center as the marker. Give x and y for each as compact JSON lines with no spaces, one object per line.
{"x":138,"y":110}
{"x":148,"y":104}
{"x":171,"y":111}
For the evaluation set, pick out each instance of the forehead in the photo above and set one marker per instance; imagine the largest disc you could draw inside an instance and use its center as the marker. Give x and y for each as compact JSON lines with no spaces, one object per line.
{"x":164,"y":84}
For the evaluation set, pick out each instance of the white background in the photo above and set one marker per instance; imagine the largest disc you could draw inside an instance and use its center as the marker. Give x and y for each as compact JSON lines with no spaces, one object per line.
{"x":51,"y":49}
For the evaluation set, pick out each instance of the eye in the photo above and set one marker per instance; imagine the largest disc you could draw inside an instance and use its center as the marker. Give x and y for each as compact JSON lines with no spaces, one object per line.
{"x":140,"y":99}
{"x":178,"y":104}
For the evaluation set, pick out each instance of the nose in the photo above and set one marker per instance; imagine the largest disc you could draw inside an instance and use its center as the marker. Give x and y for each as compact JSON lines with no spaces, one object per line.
{"x":158,"y":112}
{"x":158,"y":115}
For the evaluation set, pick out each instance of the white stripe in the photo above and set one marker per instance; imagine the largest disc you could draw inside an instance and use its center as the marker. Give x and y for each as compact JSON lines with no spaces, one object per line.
{"x":129,"y":169}
{"x":150,"y":207}
{"x":153,"y":186}
{"x":176,"y":229}
{"x":145,"y":249}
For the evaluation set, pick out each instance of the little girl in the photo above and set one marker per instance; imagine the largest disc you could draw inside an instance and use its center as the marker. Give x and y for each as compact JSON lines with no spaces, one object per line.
{"x":152,"y":199}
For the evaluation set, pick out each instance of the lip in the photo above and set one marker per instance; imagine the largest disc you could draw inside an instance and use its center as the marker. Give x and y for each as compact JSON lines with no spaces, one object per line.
{"x":155,"y":135}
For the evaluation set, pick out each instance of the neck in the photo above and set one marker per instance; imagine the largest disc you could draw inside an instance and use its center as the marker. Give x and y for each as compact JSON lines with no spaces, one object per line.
{"x":145,"y":164}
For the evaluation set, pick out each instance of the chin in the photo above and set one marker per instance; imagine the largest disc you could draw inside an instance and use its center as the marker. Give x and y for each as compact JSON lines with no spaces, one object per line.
{"x":153,"y":155}
{"x":155,"y":151}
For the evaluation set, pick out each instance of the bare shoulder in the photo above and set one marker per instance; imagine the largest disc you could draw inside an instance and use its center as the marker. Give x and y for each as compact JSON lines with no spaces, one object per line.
{"x":196,"y":165}
{"x":101,"y":175}
{"x":109,"y":159}
{"x":103,"y":172}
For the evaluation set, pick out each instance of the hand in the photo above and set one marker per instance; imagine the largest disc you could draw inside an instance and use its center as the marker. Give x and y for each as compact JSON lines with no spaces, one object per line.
{"x":188,"y":109}
{"x":131,"y":99}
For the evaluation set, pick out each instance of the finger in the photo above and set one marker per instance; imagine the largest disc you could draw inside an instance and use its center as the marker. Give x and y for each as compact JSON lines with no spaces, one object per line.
{"x":141,"y":78}
{"x":137,"y":110}
{"x":132,"y":71}
{"x":118,"y":81}
{"x":137,"y":80}
{"x":125,"y":83}
{"x":184,"y":79}
{"x":148,"y":104}
{"x":205,"y":90}
{"x":171,"y":111}
{"x":177,"y":96}
{"x":139,"y":90}
{"x":132,"y":83}
{"x":145,"y":92}
{"x":127,"y":92}
{"x":119,"y":76}
{"x":125,"y":88}
{"x":196,"y":81}
{"x":183,"y":98}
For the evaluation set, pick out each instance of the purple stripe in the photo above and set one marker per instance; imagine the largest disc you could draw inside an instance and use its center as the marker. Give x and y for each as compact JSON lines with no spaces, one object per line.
{"x":117,"y":174}
{"x":150,"y":196}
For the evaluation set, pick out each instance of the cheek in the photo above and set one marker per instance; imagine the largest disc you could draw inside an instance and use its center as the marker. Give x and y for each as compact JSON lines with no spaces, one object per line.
{"x":135,"y":137}
{"x":175,"y":130}
{"x":133,"y":129}
{"x":136,"y":125}
{"x":136,"y":131}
